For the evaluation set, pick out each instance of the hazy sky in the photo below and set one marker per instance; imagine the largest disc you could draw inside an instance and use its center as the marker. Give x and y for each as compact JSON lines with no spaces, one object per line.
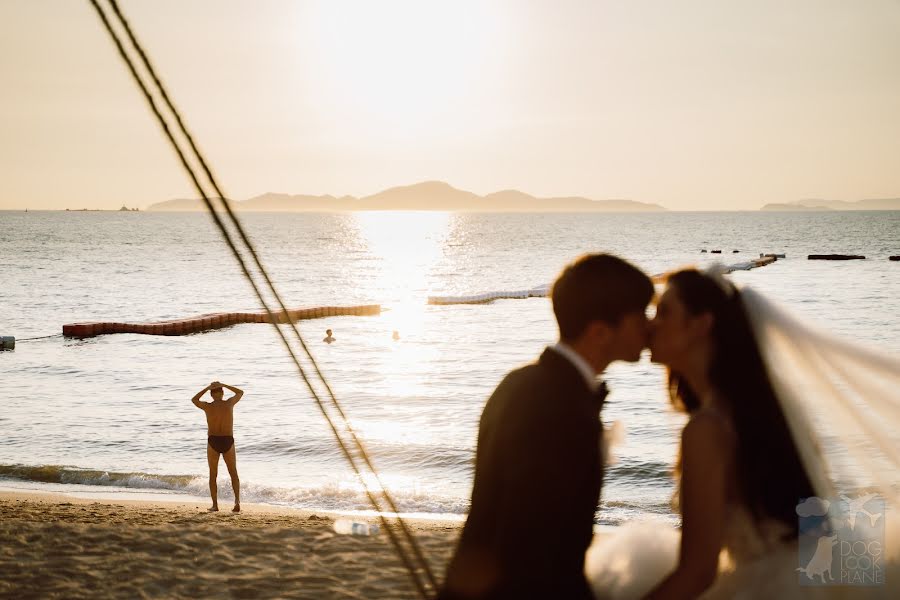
{"x":693,"y":105}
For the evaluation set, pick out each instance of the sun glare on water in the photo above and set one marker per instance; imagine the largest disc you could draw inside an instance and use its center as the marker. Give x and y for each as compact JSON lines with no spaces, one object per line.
{"x":407,"y":245}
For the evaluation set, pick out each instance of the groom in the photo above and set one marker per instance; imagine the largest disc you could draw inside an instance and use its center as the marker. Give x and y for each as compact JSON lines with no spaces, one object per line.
{"x":538,"y":468}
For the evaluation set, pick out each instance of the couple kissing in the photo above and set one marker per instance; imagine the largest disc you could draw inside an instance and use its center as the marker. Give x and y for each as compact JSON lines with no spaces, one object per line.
{"x":539,"y":452}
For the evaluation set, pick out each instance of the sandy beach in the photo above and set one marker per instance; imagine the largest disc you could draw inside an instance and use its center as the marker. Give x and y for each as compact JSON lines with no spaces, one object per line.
{"x":57,"y":546}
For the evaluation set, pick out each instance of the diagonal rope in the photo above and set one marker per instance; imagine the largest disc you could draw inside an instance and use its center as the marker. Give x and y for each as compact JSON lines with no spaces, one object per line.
{"x":225,"y":233}
{"x":363,"y":453}
{"x":264,"y":273}
{"x":272,"y":317}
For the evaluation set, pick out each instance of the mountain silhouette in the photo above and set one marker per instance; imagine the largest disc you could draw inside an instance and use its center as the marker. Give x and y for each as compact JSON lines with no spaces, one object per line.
{"x":427,"y":195}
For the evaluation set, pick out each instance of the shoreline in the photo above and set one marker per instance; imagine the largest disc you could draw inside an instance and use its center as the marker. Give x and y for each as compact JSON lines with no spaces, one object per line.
{"x":169,"y":500}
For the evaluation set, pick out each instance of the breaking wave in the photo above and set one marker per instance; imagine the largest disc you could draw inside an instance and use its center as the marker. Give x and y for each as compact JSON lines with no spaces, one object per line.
{"x":328,"y":497}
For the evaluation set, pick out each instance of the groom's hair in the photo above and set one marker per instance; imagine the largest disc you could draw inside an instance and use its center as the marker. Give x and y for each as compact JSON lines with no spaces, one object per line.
{"x":598,"y":287}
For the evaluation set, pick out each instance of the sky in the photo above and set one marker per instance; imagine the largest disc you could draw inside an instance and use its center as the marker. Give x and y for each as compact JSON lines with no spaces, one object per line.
{"x":692,"y":105}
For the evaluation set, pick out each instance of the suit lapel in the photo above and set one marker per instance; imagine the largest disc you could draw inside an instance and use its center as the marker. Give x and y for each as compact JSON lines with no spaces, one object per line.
{"x":571,"y":380}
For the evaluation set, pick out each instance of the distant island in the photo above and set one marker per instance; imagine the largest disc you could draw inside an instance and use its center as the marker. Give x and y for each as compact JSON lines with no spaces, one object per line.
{"x":814,"y":204}
{"x":428,"y":195}
{"x":123,"y":209}
{"x":792,"y":207}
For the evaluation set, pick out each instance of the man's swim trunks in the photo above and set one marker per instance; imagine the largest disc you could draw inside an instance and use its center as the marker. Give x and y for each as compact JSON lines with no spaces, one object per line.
{"x":221,"y":443}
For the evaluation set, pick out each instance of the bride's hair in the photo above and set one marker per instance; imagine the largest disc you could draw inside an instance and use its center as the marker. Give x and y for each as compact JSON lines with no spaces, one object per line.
{"x":771,"y":476}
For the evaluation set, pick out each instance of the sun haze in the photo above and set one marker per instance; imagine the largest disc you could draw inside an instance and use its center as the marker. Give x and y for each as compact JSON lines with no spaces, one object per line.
{"x":691,"y":105}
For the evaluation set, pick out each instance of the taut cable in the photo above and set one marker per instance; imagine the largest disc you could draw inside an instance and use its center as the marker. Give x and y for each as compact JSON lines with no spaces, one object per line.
{"x":272,"y":317}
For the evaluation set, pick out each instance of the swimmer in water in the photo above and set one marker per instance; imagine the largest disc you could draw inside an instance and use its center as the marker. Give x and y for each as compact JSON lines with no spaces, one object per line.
{"x":396,"y":335}
{"x":328,"y":337}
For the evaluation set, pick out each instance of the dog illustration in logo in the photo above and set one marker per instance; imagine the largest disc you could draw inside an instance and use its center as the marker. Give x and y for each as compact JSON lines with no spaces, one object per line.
{"x":821,"y":560}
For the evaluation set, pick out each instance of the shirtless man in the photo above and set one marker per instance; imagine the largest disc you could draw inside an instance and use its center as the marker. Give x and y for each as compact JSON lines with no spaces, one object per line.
{"x":220,"y":428}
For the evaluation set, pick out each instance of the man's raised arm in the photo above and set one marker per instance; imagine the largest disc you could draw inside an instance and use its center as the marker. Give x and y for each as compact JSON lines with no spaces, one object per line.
{"x":238,"y":394}
{"x":198,"y":395}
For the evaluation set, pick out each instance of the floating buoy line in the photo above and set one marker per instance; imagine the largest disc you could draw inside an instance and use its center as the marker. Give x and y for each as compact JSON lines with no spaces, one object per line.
{"x":544,"y":290}
{"x":215,"y":321}
{"x":212,"y":321}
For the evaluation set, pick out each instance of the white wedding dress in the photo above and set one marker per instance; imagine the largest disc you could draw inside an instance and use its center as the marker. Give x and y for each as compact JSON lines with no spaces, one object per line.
{"x":754,"y":564}
{"x":854,"y":395}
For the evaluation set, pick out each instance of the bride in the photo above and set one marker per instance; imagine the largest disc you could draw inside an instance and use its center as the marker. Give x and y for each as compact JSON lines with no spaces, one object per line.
{"x":748,"y":454}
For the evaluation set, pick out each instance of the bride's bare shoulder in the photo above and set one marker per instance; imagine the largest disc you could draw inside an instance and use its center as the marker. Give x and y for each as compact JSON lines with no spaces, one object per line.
{"x":709,"y":426}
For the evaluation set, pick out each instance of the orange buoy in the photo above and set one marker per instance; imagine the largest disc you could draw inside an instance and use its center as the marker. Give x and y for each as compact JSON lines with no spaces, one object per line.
{"x":79,"y":330}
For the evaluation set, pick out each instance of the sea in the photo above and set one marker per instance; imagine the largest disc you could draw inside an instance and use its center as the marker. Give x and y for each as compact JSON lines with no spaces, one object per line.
{"x":111,"y":416}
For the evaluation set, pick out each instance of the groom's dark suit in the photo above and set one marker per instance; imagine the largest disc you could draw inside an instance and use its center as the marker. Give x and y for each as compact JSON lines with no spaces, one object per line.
{"x":538,"y":474}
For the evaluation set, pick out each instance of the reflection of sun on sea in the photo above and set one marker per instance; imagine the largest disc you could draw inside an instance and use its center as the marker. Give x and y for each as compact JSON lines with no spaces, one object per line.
{"x":407,"y":245}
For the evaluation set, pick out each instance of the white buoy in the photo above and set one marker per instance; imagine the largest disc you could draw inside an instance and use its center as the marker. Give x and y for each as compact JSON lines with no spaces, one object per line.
{"x":7,"y":342}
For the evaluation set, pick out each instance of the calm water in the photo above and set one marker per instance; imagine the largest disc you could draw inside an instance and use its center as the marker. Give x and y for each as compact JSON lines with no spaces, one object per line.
{"x":115,"y":411}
